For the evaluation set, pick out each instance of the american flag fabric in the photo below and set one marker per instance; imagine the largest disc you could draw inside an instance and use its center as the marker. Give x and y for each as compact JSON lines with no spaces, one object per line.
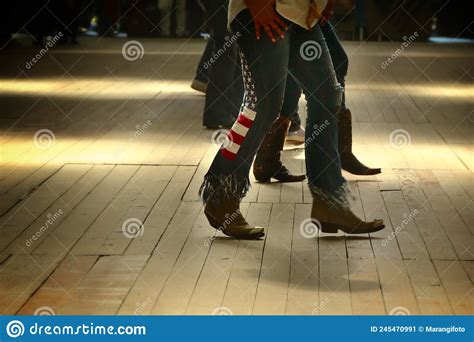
{"x":236,"y":136}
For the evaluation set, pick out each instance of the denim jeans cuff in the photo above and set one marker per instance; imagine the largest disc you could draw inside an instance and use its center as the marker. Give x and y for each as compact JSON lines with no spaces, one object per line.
{"x":339,"y":195}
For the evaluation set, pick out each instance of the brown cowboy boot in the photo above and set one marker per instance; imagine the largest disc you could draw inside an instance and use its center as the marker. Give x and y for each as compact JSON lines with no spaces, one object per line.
{"x":225,"y":216}
{"x":349,"y":161}
{"x":267,"y":163}
{"x":330,"y":216}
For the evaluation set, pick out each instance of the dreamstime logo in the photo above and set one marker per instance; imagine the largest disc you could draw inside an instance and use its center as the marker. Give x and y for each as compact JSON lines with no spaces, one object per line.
{"x":222,"y":311}
{"x":411,"y":191}
{"x":400,"y":311}
{"x":227,"y":222}
{"x":133,"y":50}
{"x":407,"y":218}
{"x":52,"y":218}
{"x":311,"y":50}
{"x":317,"y":310}
{"x":409,"y":186}
{"x":309,"y":228}
{"x":132,"y":228}
{"x":222,"y":138}
{"x":317,"y":130}
{"x":407,"y":41}
{"x":50,"y":42}
{"x":15,"y":329}
{"x":44,"y":138}
{"x":229,"y":42}
{"x":44,"y":311}
{"x":399,"y":139}
{"x":140,"y":307}
{"x":140,"y":130}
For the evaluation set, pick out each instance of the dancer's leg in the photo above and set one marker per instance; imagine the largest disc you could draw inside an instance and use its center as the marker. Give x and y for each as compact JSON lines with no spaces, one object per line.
{"x":338,"y":55}
{"x":315,"y":73}
{"x":290,"y":110}
{"x":201,"y":78}
{"x":290,"y":103}
{"x":317,"y":78}
{"x":339,"y":58}
{"x":264,"y":66}
{"x":165,"y":7}
{"x":180,"y":18}
{"x":268,"y":163}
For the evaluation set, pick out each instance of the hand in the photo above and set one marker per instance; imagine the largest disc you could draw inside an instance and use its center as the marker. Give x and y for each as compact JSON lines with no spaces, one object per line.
{"x":313,"y":14}
{"x":327,"y":13}
{"x":264,"y":16}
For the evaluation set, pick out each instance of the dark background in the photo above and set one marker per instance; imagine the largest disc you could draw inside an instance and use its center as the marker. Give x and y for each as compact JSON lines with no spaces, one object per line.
{"x":355,"y":19}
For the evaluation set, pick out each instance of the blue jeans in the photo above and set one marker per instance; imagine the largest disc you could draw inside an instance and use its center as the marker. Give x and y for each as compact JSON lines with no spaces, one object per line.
{"x":341,"y":65}
{"x":265,"y":67}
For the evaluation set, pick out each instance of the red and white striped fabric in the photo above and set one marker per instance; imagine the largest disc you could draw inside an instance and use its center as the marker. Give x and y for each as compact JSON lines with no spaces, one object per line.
{"x":237,"y":134}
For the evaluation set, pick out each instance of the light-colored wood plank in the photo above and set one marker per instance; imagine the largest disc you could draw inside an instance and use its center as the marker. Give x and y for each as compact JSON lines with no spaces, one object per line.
{"x":25,"y":213}
{"x":458,"y":286}
{"x":162,"y":213}
{"x":303,"y":291}
{"x":178,"y":289}
{"x":212,"y":283}
{"x":405,"y":231}
{"x":152,"y":279}
{"x":58,"y":211}
{"x":21,"y":190}
{"x":459,"y":197}
{"x":240,"y":293}
{"x":269,"y":193}
{"x":397,"y":290}
{"x":105,"y":286}
{"x":334,"y":288}
{"x":20,"y":276}
{"x":366,"y":294}
{"x":459,"y":236}
{"x":274,"y":278}
{"x":124,"y":217}
{"x":430,"y":294}
{"x":65,"y":235}
{"x":56,"y":291}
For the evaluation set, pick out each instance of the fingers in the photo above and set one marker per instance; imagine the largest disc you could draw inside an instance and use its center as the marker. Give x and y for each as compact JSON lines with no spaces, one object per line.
{"x":312,"y":15}
{"x":277,"y":29}
{"x":269,"y":32}
{"x":257,"y":30}
{"x":309,"y":20}
{"x":281,"y":23}
{"x":272,"y":24}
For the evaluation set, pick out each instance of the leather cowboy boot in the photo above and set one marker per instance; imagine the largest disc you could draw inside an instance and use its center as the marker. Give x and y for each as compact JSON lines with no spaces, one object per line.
{"x":349,"y":161}
{"x":330,"y":216}
{"x":225,"y":216}
{"x":267,"y":163}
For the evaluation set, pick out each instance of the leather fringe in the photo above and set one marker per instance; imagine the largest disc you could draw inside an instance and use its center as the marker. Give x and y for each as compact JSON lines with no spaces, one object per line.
{"x":218,"y":188}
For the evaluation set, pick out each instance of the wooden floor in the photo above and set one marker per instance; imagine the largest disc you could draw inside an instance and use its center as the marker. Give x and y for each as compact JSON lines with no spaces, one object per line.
{"x":95,"y":146}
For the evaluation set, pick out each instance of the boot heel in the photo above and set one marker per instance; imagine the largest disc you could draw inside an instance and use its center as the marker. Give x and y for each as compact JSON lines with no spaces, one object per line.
{"x":212,"y":221}
{"x":329,"y":228}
